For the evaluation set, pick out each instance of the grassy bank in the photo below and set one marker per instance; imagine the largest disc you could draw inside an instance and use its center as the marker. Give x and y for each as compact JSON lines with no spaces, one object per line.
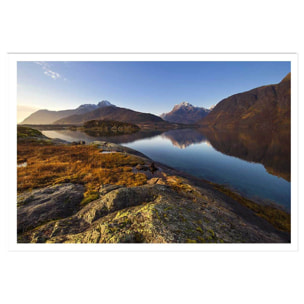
{"x":49,"y":164}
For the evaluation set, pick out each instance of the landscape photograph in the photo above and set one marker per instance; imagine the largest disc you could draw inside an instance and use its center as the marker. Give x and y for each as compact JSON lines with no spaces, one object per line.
{"x":179,"y":152}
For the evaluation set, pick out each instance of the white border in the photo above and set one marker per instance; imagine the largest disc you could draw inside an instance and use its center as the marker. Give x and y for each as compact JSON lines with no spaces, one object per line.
{"x":13,"y":58}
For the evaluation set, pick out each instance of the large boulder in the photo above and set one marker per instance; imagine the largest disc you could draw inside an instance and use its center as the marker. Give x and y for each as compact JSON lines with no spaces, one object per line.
{"x":51,"y":203}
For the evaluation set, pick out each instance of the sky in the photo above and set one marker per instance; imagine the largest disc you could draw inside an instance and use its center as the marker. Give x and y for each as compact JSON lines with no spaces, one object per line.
{"x":152,"y":87}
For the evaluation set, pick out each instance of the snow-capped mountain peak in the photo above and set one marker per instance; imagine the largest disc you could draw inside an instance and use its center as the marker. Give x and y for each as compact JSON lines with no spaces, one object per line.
{"x":104,"y":103}
{"x":101,"y":104}
{"x":185,"y":113}
{"x":183,"y":104}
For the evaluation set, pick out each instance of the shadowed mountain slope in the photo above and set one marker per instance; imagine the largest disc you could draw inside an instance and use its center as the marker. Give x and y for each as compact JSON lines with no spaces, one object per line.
{"x":266,"y":107}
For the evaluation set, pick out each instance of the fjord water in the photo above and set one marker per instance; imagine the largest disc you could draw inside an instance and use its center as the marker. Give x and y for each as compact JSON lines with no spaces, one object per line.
{"x":240,"y":161}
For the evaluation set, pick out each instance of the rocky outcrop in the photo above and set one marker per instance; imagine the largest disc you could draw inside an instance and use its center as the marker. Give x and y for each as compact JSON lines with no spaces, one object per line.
{"x":110,"y":147}
{"x":154,"y":214}
{"x":51,"y":203}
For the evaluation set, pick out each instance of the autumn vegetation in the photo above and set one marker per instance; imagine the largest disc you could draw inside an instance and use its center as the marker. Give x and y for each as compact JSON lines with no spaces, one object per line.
{"x":50,"y":164}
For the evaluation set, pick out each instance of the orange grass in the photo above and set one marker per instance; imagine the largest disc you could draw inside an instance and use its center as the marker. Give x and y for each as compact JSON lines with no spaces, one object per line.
{"x":53,"y":164}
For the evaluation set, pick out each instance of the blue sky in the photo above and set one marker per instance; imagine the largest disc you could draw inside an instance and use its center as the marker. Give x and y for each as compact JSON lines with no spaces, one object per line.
{"x":153,"y":87}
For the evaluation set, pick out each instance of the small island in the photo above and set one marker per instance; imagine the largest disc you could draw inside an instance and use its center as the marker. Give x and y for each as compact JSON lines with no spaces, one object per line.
{"x":108,"y":127}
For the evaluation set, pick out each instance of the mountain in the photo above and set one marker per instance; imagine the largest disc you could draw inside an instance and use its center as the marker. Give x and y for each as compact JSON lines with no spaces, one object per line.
{"x":111,"y":113}
{"x":266,"y":107}
{"x":49,"y":117}
{"x":185,"y":113}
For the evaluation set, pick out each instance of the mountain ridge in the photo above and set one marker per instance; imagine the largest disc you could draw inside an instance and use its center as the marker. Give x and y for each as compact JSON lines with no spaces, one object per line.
{"x":265,"y":107}
{"x":111,"y":113}
{"x":44,"y":116}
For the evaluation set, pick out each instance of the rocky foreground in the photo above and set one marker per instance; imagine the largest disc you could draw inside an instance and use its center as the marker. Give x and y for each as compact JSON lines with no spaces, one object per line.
{"x":164,"y":208}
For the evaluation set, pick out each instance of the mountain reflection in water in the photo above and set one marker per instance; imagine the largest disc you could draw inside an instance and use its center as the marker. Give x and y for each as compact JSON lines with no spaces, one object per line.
{"x":259,"y":167}
{"x":71,"y":135}
{"x":183,"y":138}
{"x":271,"y":149}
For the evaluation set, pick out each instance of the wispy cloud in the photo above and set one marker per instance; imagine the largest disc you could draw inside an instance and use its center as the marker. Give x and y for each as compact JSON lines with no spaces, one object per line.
{"x":46,"y":67}
{"x":52,"y":74}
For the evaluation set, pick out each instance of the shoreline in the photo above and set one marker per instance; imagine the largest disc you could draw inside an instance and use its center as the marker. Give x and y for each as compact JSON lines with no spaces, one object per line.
{"x":259,"y":200}
{"x":200,"y":182}
{"x":191,"y":188}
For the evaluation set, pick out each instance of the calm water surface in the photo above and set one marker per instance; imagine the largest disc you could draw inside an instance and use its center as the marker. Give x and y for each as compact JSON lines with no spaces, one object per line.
{"x":221,"y":158}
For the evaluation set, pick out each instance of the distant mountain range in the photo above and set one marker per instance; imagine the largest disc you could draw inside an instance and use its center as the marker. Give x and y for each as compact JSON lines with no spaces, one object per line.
{"x":49,"y":117}
{"x":111,"y":113}
{"x":185,"y":113}
{"x":266,"y":107}
{"x":104,"y":110}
